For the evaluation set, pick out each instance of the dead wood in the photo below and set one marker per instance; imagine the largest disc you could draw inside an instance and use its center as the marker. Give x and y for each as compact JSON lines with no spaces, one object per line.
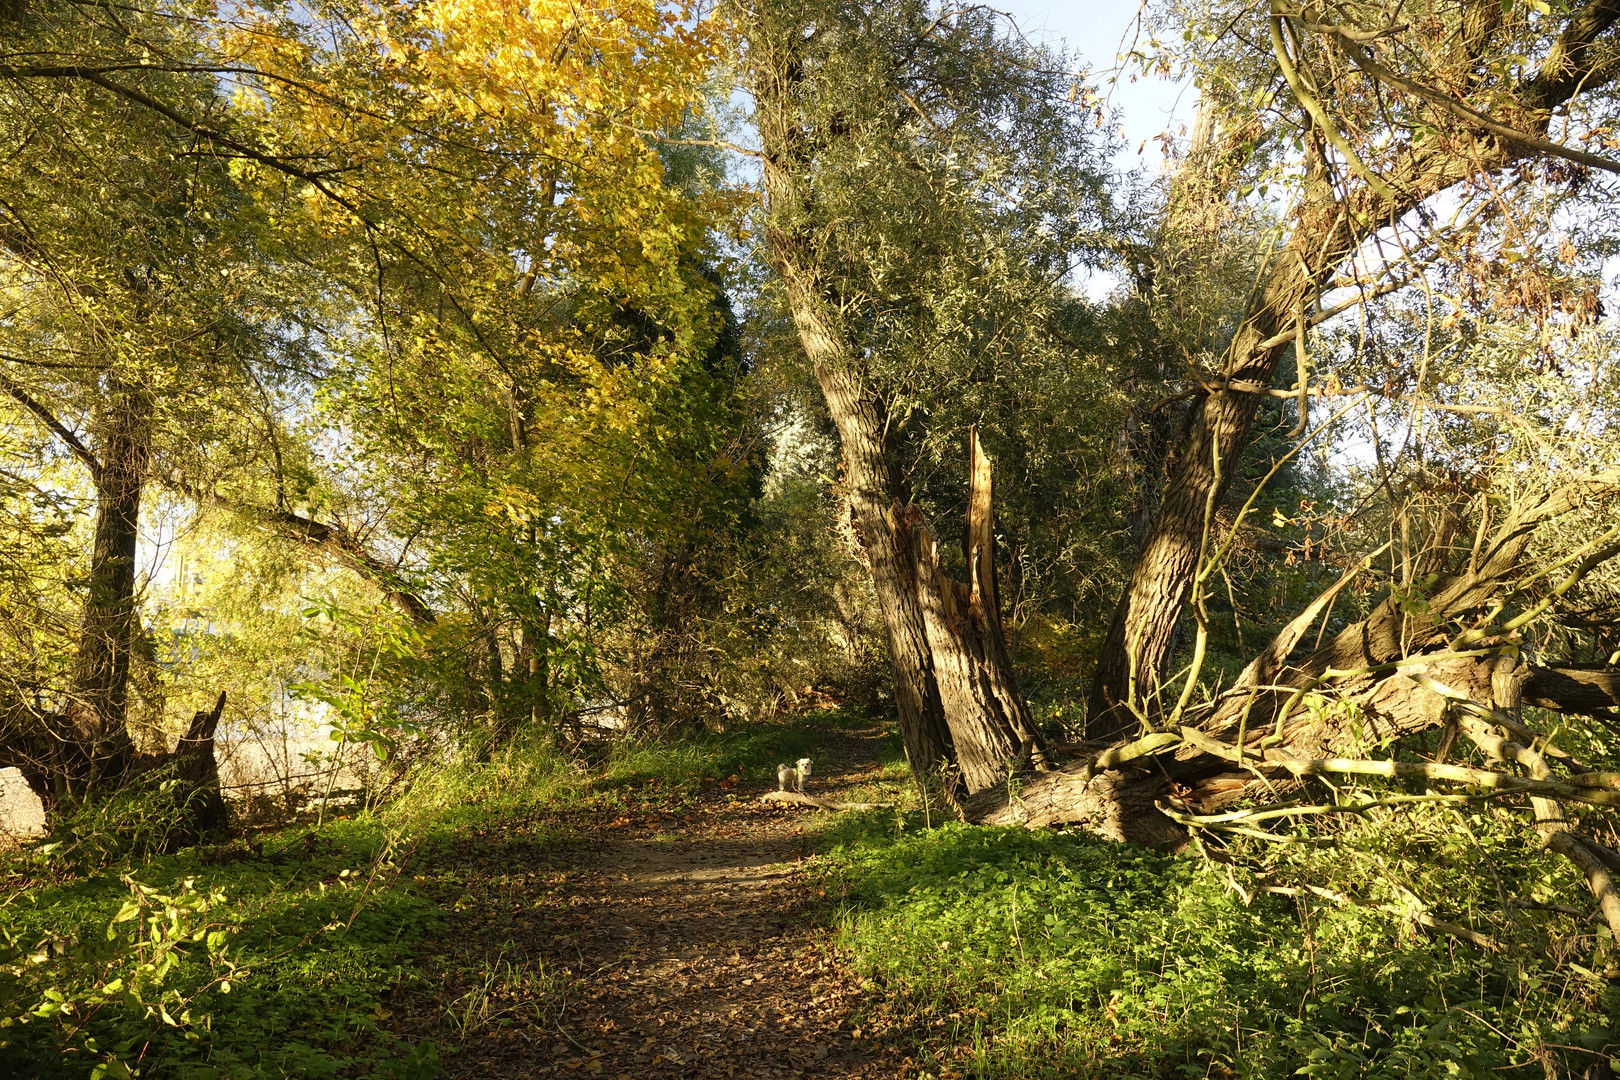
{"x":796,"y":798}
{"x":203,"y":806}
{"x":58,"y":768}
{"x":1404,"y":670}
{"x":1114,"y":804}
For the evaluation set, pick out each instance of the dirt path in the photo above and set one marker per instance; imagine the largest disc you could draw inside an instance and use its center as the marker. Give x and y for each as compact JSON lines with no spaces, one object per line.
{"x":660,"y":949}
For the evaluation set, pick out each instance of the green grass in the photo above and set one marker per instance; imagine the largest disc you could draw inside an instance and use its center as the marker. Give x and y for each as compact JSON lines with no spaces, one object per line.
{"x":989,"y":952}
{"x":1019,"y":954}
{"x":309,"y":936}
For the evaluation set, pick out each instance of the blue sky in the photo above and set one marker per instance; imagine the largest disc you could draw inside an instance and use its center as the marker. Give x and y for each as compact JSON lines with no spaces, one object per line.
{"x":1098,"y":31}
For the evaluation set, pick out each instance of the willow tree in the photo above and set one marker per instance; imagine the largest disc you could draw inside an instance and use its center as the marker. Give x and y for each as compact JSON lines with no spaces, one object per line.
{"x":1367,"y":115}
{"x":928,"y":186}
{"x":1473,"y":649}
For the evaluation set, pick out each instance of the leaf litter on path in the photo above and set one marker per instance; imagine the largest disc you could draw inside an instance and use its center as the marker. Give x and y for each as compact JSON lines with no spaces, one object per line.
{"x":651,"y":950}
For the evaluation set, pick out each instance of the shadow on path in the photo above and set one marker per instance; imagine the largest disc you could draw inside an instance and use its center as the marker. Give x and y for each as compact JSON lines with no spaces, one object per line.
{"x":684,"y":953}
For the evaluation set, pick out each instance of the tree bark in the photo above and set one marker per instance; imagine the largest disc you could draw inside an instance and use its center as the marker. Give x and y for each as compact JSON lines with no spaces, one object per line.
{"x":883,"y":529}
{"x":96,"y":703}
{"x":201,"y":806}
{"x":953,"y":686}
{"x":988,"y":718}
{"x":1201,"y":467}
{"x":857,"y":412}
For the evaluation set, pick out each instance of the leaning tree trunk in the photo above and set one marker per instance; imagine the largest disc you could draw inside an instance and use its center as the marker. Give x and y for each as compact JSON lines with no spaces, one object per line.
{"x":882,"y":529}
{"x":96,"y":706}
{"x":1132,"y":663}
{"x":958,"y":701}
{"x":1330,"y":222}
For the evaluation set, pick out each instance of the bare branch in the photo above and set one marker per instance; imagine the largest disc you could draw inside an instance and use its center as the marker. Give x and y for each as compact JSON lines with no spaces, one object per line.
{"x":60,"y":430}
{"x":1530,"y":142}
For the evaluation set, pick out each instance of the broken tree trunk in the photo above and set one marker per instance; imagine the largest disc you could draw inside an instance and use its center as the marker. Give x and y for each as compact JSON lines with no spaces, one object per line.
{"x":201,"y":804}
{"x":42,"y":747}
{"x":989,"y":720}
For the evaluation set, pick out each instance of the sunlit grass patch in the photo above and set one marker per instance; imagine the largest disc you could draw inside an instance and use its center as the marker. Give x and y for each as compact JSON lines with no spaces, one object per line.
{"x":1029,"y":954}
{"x":279,"y":966}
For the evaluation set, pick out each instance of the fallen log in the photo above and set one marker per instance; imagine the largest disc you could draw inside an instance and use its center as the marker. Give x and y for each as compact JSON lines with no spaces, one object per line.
{"x":797,"y":798}
{"x":1112,"y":803}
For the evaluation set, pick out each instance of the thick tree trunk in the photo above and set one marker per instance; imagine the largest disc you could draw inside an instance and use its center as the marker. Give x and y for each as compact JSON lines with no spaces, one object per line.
{"x":883,"y":529}
{"x":988,"y":718}
{"x":857,"y":412}
{"x":953,"y":687}
{"x":96,"y":704}
{"x":1201,"y":467}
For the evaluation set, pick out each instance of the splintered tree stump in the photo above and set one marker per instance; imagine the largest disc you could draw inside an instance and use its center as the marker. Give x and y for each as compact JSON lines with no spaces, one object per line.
{"x":202,"y":805}
{"x":185,"y":781}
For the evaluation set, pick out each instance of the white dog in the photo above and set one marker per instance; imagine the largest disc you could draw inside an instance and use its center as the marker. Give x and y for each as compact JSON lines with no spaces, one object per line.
{"x":803,"y":772}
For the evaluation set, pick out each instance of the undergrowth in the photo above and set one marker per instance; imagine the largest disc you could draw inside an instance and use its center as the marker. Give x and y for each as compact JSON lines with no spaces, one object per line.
{"x":1045,"y":954}
{"x":278,"y":955}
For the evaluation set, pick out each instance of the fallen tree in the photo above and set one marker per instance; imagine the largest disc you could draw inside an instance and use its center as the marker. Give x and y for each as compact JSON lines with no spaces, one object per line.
{"x":1456,"y":664}
{"x":1379,"y":141}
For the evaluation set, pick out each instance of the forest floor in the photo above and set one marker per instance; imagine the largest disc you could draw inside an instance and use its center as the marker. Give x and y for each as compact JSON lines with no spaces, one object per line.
{"x":673,"y":940}
{"x":635,"y":910}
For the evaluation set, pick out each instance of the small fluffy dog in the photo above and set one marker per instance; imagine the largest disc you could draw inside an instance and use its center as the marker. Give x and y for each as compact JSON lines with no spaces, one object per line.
{"x":790,"y":778}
